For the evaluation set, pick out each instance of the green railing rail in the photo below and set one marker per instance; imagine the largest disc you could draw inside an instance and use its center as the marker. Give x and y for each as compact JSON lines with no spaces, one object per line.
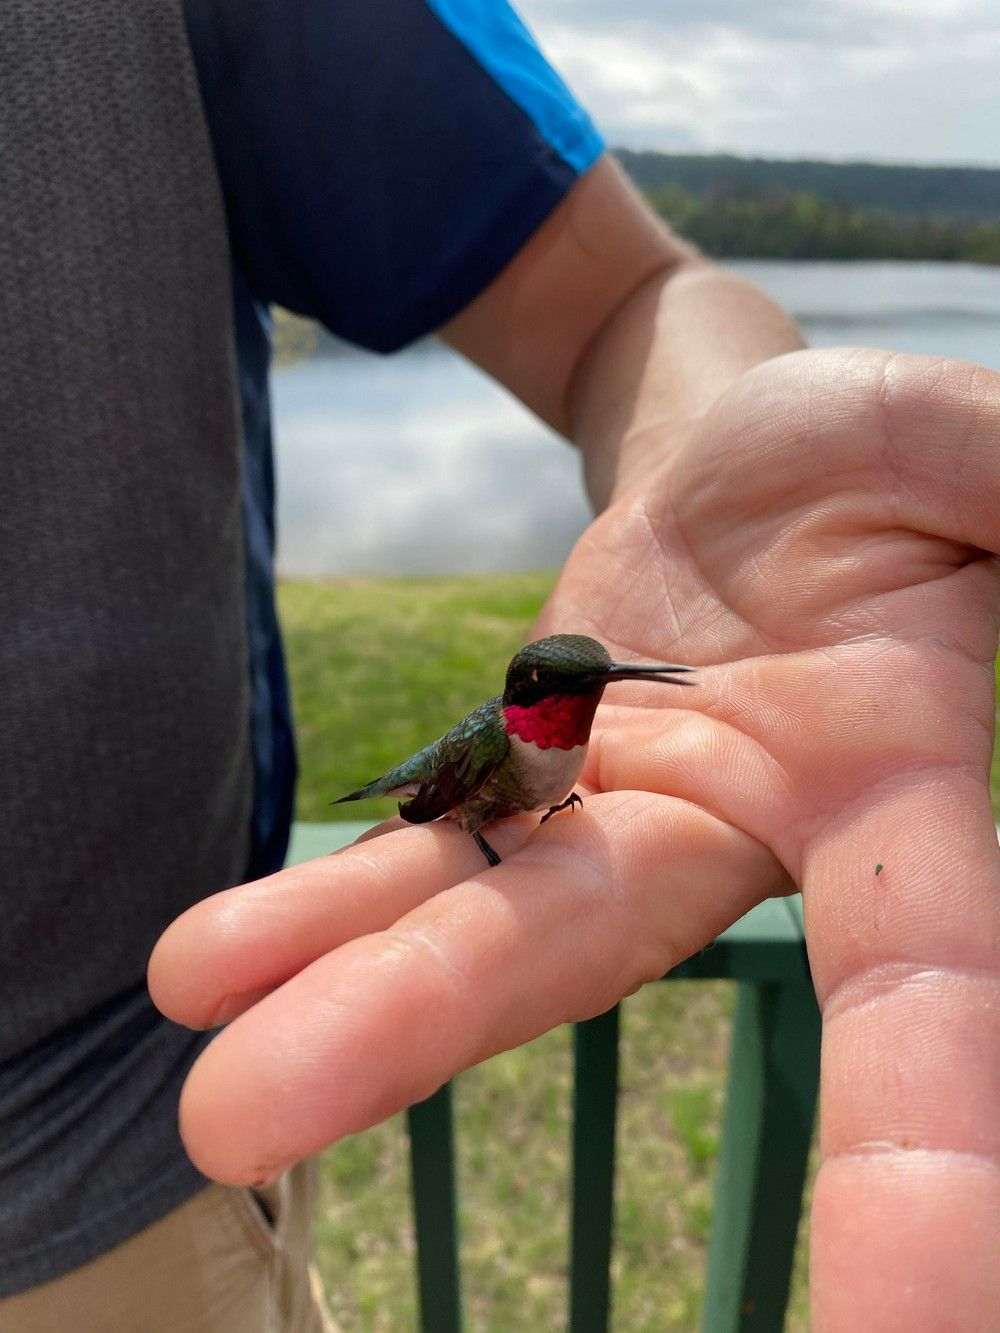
{"x":767,"y":1127}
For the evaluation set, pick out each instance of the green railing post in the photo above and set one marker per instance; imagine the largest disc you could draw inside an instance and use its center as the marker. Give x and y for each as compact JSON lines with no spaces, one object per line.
{"x":432,"y":1166}
{"x":767,"y":1127}
{"x":595,"y":1105}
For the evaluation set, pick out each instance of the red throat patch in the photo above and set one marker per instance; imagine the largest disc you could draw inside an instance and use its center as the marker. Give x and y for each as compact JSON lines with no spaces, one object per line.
{"x":561,"y":721}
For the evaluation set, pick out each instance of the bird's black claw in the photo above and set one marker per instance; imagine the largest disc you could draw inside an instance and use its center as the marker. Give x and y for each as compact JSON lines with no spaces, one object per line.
{"x":491,"y":856}
{"x":573,"y":799}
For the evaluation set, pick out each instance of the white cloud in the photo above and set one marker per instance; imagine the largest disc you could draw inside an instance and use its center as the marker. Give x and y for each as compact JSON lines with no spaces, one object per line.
{"x":897,"y":80}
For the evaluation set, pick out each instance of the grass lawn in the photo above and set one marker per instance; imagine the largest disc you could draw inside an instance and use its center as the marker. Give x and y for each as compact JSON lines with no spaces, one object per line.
{"x":379,"y":667}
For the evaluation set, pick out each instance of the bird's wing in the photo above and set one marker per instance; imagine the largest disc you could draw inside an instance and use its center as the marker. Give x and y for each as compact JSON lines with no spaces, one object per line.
{"x":463,"y":764}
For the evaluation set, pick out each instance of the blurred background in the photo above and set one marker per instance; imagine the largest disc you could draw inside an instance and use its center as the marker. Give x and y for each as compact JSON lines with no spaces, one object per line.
{"x":852,"y":195}
{"x":844,"y":156}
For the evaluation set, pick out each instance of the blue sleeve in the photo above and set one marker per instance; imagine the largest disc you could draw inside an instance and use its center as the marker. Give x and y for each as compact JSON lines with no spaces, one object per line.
{"x":382,"y":160}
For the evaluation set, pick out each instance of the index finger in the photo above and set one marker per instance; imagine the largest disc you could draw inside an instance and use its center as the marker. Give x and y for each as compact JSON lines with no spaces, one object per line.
{"x":228,"y":951}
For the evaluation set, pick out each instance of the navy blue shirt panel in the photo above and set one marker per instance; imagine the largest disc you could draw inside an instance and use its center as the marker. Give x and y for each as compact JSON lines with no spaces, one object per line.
{"x":381,"y":161}
{"x":271,"y":735}
{"x":377,"y":176}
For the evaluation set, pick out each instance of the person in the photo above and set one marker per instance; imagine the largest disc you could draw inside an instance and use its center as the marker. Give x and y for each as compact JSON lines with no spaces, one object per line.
{"x":811,"y":529}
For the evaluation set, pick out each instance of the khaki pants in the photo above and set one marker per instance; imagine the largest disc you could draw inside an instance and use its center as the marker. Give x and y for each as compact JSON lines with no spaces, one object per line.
{"x":227,"y":1261}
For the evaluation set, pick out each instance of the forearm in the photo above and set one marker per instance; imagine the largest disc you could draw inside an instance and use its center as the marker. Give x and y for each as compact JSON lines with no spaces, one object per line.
{"x":615,"y":331}
{"x":659,"y":362}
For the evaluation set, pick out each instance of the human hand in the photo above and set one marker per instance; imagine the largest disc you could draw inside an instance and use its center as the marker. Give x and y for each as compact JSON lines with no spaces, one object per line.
{"x":816,"y":548}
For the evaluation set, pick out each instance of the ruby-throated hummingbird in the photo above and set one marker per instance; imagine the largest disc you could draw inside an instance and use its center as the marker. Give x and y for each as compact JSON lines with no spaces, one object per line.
{"x":521,"y":751}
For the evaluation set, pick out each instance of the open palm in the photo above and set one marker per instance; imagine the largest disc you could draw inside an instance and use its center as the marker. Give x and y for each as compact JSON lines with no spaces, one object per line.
{"x":818,"y":547}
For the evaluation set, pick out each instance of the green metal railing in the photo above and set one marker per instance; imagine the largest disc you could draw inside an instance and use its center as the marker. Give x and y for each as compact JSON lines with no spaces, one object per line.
{"x":767,"y":1126}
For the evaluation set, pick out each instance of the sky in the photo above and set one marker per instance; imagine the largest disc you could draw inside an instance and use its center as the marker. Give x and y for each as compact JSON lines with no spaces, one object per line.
{"x":881,"y":80}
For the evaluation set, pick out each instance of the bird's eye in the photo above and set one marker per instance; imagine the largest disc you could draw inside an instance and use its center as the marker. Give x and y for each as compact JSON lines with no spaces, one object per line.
{"x":534,"y":677}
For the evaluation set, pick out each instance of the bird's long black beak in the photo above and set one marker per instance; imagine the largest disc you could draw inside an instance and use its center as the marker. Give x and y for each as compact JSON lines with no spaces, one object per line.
{"x":672,"y":674}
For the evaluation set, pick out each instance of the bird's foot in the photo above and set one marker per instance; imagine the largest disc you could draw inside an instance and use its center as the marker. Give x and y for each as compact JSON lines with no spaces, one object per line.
{"x":571,"y":800}
{"x":491,"y":856}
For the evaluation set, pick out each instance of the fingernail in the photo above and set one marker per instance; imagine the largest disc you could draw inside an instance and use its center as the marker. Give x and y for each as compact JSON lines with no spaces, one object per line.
{"x":231,"y":1006}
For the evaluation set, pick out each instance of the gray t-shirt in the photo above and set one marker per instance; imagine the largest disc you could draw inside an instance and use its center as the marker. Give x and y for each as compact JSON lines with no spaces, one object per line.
{"x":125,"y":780}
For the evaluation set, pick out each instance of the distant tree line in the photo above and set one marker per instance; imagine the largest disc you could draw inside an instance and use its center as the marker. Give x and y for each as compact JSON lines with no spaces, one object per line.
{"x":956,"y":194}
{"x":738,"y":222}
{"x":777,"y":209}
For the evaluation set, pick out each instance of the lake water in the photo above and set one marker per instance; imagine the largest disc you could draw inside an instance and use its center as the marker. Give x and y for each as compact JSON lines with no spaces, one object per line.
{"x":419,"y":464}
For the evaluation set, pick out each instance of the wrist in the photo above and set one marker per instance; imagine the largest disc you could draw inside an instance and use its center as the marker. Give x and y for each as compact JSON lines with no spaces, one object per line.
{"x":658,"y":365}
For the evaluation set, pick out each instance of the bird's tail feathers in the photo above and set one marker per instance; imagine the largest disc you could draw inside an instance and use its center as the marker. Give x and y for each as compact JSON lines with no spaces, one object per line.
{"x":361,"y":794}
{"x":384,"y":786}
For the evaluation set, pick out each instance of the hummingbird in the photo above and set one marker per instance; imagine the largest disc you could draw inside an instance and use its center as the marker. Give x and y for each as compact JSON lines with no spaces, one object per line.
{"x":521,"y":751}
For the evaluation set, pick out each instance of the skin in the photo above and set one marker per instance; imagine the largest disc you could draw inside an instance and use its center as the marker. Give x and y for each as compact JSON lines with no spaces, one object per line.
{"x":812,"y":530}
